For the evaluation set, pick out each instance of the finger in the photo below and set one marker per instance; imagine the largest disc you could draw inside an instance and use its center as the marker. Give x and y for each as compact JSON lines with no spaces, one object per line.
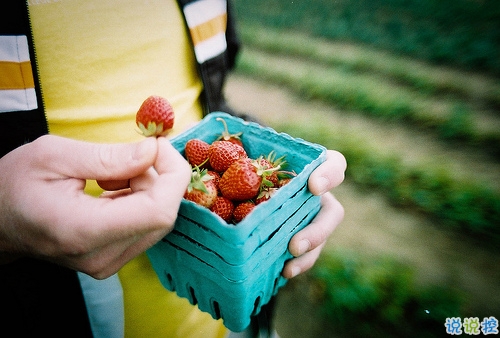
{"x":301,"y":264}
{"x":174,"y":173}
{"x":167,"y":154}
{"x":168,"y":162}
{"x":139,"y":212}
{"x":318,"y":231}
{"x":140,"y":182}
{"x":144,"y":181}
{"x":103,"y":162}
{"x":329,"y":174}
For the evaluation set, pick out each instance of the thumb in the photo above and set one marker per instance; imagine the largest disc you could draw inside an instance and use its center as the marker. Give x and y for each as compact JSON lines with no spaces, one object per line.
{"x":85,"y":160}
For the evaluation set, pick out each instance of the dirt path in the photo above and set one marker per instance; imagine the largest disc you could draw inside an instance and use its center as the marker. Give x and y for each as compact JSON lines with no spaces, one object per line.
{"x":373,"y":227}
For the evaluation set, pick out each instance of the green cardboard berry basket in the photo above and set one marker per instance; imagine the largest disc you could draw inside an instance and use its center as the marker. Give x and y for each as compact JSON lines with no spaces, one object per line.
{"x":231,"y":271}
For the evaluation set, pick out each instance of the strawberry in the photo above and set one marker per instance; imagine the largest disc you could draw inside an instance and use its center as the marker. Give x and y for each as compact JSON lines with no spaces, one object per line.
{"x":155,"y":117}
{"x":242,"y":210}
{"x":241,"y":181}
{"x":226,"y":136}
{"x":223,"y":153}
{"x":273,"y":165}
{"x":273,"y":176}
{"x":284,"y":177}
{"x":284,"y":181}
{"x":216,"y":177}
{"x":196,"y":151}
{"x":265,"y":194}
{"x":201,"y":189}
{"x":223,"y":207}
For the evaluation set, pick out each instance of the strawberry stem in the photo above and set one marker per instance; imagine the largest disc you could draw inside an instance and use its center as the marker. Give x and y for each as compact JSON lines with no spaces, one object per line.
{"x":226,"y":136}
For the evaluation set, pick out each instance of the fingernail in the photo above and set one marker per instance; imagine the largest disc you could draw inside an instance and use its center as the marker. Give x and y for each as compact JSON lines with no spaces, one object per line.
{"x":304,"y":246}
{"x":295,"y":271}
{"x":322,"y":185}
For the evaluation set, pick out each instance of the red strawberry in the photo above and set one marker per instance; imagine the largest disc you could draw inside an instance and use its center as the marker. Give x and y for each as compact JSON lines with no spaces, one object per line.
{"x":265,"y":195}
{"x":273,"y":166}
{"x":284,"y":177}
{"x":273,"y":175}
{"x":226,"y":136}
{"x":216,"y":178}
{"x":197,"y":152}
{"x":241,"y":181}
{"x":155,"y":116}
{"x":201,"y":189}
{"x":223,"y":207}
{"x":242,"y":210}
{"x":223,"y":153}
{"x":284,"y":181}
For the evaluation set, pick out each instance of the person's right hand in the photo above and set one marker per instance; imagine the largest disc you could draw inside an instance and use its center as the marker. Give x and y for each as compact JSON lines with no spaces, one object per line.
{"x":45,"y":213}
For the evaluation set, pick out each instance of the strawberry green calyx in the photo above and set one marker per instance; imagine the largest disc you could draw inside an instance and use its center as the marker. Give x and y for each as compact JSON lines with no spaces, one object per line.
{"x":202,"y":189}
{"x":265,"y":171}
{"x":198,"y":179}
{"x":152,"y":129}
{"x":275,"y":162}
{"x":265,"y":194}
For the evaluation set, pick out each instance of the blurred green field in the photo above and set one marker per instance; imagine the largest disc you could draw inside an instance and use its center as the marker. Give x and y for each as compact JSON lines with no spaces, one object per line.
{"x":462,"y":33}
{"x":414,"y":91}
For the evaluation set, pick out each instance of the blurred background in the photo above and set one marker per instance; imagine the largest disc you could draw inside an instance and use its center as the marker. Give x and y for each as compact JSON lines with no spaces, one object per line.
{"x":409,"y":92}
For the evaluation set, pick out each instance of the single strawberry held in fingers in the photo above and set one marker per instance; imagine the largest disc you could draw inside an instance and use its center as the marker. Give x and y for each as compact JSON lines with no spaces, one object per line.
{"x":155,"y":117}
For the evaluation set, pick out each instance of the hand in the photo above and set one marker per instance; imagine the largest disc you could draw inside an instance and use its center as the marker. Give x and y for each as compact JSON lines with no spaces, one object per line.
{"x":45,"y":213}
{"x":306,"y":245}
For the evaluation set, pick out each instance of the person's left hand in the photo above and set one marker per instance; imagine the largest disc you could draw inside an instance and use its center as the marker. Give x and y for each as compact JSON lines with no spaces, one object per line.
{"x":306,"y":245}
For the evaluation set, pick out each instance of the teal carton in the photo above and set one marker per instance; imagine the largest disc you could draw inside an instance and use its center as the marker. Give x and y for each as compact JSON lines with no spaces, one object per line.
{"x":231,"y":271}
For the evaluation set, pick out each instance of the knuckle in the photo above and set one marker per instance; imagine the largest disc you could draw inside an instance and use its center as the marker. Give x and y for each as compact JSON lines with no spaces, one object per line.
{"x":105,"y":159}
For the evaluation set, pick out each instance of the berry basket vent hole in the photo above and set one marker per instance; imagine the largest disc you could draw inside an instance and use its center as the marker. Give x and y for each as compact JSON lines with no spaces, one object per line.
{"x":300,"y":191}
{"x":193,"y":299}
{"x":256,"y":306}
{"x":170,"y":281}
{"x":216,"y":309}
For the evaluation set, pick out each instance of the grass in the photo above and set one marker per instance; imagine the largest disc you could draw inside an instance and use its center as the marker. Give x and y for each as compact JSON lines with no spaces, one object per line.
{"x":377,"y":297}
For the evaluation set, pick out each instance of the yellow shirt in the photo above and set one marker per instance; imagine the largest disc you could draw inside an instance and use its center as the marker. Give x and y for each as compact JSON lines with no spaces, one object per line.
{"x":98,"y":60}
